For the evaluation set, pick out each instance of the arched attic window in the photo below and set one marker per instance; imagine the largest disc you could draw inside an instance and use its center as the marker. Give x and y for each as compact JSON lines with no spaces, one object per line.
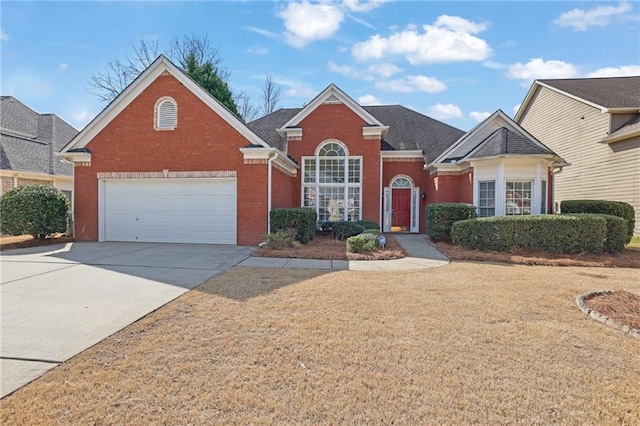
{"x":166,"y":114}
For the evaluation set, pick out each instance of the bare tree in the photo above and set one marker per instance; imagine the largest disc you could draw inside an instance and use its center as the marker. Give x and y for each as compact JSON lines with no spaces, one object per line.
{"x":246,"y":110}
{"x":120,"y":73}
{"x":271,"y":95}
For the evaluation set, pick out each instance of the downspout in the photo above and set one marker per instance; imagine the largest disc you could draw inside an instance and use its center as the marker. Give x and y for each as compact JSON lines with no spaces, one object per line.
{"x":272,"y":157}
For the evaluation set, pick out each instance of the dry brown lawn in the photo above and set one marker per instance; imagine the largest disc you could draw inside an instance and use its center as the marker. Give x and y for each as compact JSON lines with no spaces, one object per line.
{"x":24,"y":241}
{"x":467,"y":343}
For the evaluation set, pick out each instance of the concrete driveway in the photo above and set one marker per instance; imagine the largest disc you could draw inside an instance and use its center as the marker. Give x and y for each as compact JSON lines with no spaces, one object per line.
{"x":59,"y":300}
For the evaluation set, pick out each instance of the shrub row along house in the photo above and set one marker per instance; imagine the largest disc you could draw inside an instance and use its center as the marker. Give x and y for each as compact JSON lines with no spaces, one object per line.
{"x":166,"y":162}
{"x":593,"y":123}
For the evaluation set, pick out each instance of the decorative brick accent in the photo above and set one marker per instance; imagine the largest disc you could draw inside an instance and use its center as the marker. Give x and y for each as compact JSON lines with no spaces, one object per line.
{"x":170,"y":174}
{"x":25,"y":181}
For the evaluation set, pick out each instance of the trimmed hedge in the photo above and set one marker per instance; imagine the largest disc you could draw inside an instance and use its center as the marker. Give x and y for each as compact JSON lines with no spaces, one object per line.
{"x":344,"y":229}
{"x":37,"y":210}
{"x":302,"y":219}
{"x":362,"y":242}
{"x":614,"y":208}
{"x":440,"y":217}
{"x":373,"y":231}
{"x":616,"y":232}
{"x":368,"y":224}
{"x":551,"y":233}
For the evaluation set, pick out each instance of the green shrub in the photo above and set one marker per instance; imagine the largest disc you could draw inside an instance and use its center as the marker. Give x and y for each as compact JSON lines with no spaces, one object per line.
{"x":281,"y":239}
{"x":440,"y":217}
{"x":368,"y":224}
{"x":302,"y":219}
{"x":37,"y":210}
{"x":616,"y":231}
{"x":326,"y":226}
{"x":614,"y":208}
{"x":343,"y":230}
{"x":374,"y":231}
{"x":362,"y":242}
{"x":551,"y":233}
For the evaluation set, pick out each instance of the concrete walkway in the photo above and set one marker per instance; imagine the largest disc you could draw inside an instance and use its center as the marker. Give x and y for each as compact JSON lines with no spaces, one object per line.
{"x":421,"y":254}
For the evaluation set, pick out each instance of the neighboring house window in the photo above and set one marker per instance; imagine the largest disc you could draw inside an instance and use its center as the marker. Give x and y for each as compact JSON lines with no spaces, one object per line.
{"x":166,"y":114}
{"x":518,"y":197}
{"x":543,"y":197}
{"x":487,"y":198}
{"x":332,"y":183}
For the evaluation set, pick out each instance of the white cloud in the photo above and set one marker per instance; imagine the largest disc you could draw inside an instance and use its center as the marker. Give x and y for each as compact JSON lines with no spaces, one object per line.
{"x":581,"y":20}
{"x":81,"y":116}
{"x":622,"y":71}
{"x":384,"y":69}
{"x":515,"y":109}
{"x":411,"y":84}
{"x":445,"y":111}
{"x":262,"y":32}
{"x":63,"y":67}
{"x":494,"y":65}
{"x":258,"y":50}
{"x":449,"y":39}
{"x":362,"y":6}
{"x":479,"y":116}
{"x":538,"y":68}
{"x":306,"y":22}
{"x":295,"y":88}
{"x":348,"y":71}
{"x":3,"y":35}
{"x":369,"y":100}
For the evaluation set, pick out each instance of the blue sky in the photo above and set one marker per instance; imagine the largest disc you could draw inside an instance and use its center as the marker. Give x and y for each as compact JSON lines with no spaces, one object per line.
{"x":454,"y":61}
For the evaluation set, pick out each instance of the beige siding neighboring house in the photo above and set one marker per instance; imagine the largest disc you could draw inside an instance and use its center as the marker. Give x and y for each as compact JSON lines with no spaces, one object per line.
{"x":594,"y":125}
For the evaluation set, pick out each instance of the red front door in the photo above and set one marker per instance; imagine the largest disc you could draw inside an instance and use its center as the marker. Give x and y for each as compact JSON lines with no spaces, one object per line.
{"x":401,"y":207}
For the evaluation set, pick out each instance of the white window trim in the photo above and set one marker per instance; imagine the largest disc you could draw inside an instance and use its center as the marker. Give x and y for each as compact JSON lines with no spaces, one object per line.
{"x":476,"y":195}
{"x":345,"y":185}
{"x":156,"y":113}
{"x":414,"y":218}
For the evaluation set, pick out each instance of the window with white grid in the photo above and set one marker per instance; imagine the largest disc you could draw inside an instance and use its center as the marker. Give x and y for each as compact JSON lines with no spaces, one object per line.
{"x":518,"y":197}
{"x":332,"y":183}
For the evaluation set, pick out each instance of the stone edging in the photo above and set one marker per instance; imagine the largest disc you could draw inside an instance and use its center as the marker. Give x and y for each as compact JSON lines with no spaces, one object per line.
{"x":580,"y":301}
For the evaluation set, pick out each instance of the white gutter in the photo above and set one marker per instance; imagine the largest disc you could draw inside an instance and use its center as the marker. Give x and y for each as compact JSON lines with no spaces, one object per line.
{"x":269,"y":179}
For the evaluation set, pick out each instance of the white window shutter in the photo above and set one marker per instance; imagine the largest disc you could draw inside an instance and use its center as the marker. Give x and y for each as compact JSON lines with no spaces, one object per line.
{"x":167,"y":115}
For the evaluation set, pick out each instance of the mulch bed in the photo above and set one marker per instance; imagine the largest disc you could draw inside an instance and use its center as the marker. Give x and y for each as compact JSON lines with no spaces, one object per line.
{"x":25,"y":241}
{"x":629,"y":258}
{"x":326,"y":248}
{"x":621,"y":306}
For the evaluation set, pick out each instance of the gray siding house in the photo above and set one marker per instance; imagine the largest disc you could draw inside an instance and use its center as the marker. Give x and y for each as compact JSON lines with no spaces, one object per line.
{"x":594,"y":125}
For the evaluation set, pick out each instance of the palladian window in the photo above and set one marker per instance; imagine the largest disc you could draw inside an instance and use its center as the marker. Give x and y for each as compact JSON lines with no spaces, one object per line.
{"x":332,"y":183}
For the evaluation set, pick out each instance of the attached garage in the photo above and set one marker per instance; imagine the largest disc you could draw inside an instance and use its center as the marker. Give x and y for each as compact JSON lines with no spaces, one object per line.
{"x":172,"y":210}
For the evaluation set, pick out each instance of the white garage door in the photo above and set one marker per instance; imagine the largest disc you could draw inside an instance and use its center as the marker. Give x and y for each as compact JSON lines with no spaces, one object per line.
{"x":170,"y":210}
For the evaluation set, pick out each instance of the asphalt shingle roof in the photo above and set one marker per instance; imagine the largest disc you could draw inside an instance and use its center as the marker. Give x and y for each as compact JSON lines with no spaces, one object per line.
{"x":504,"y":141}
{"x":609,"y":92}
{"x":408,"y":129}
{"x":29,"y":140}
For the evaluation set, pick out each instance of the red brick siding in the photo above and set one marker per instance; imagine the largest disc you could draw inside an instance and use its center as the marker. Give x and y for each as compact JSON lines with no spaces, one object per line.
{"x":282,"y":190}
{"x":202,"y":141}
{"x":420,"y":177}
{"x":337,"y":121}
{"x":466,"y":187}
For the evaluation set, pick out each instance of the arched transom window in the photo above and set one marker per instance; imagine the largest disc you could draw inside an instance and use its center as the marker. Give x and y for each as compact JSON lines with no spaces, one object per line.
{"x":401,"y":182}
{"x":166,"y":114}
{"x":332,"y":183}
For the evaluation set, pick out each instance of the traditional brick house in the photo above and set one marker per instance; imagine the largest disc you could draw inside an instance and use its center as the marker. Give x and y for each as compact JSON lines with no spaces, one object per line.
{"x":165,"y":161}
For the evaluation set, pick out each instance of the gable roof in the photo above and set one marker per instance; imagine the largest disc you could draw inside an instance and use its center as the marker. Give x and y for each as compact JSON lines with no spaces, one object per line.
{"x":332,"y":94}
{"x":408,"y":129}
{"x":153,"y":71}
{"x":606,"y":93}
{"x":29,"y":140}
{"x":497,"y":135}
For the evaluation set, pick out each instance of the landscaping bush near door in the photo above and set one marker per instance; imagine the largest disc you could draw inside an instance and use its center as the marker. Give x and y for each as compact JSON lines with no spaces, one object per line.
{"x":302,"y":219}
{"x":615,"y":208}
{"x":344,"y":229}
{"x":37,"y":210}
{"x":440,"y":217}
{"x":362,"y":242}
{"x":616,"y":231}
{"x":551,"y":233}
